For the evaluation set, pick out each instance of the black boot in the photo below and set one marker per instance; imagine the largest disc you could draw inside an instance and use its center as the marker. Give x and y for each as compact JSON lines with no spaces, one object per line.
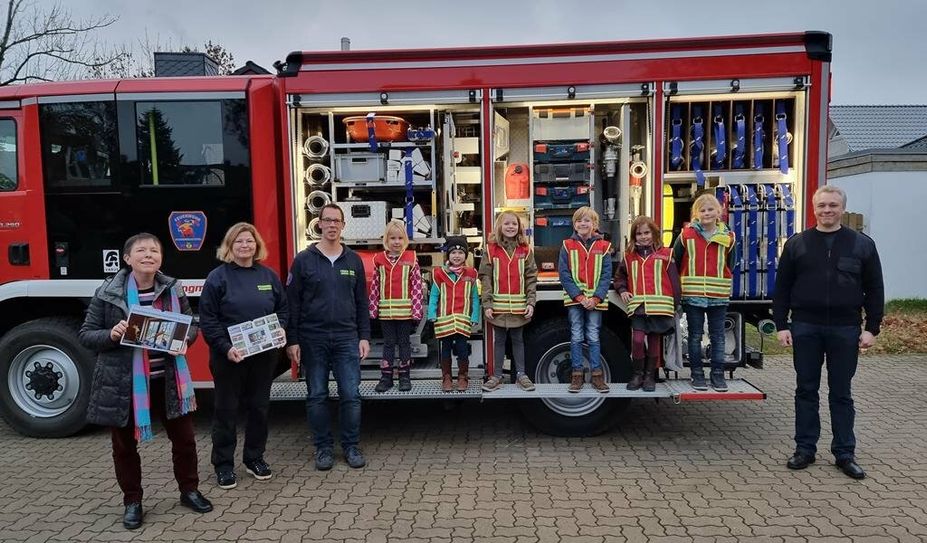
{"x":637,"y":378}
{"x":405,"y":382}
{"x":386,"y":377}
{"x":650,"y":369}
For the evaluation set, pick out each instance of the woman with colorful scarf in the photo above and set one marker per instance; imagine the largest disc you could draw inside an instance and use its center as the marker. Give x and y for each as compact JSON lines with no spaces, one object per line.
{"x":130,"y":385}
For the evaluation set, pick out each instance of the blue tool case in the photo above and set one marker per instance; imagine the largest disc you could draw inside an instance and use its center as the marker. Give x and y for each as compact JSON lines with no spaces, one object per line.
{"x":561,"y":197}
{"x":554,"y":151}
{"x":551,"y":230}
{"x":576,"y":172}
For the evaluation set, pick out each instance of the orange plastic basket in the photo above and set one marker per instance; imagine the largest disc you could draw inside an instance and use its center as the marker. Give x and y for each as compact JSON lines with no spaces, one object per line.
{"x":385,"y":128}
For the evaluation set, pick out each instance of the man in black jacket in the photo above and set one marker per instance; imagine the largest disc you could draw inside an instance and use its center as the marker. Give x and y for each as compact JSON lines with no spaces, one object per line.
{"x":827,"y":276}
{"x":329,"y":330}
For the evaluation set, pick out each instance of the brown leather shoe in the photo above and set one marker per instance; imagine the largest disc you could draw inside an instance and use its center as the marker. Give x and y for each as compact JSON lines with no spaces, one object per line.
{"x":576,"y":381}
{"x":463,"y":375}
{"x":598,"y":381}
{"x":447,"y":384}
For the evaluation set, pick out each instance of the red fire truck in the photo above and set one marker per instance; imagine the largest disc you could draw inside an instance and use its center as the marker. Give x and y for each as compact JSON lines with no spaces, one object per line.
{"x":441,"y":138}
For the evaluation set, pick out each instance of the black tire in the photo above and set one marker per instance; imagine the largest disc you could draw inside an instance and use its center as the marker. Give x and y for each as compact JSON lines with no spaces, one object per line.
{"x":545,"y":344}
{"x":52,"y":344}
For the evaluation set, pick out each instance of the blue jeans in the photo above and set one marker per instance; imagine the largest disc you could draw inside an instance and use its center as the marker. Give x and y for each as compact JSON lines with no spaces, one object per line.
{"x":812,"y":345}
{"x":585,"y":326}
{"x":695,"y":317}
{"x":341,"y":357}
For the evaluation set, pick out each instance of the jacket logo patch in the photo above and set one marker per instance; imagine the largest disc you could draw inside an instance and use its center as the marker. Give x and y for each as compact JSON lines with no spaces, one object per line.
{"x":265,"y":287}
{"x":349,"y":273}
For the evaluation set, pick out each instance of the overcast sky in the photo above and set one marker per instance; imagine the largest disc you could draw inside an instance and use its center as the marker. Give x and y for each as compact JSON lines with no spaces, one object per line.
{"x":880,"y":46}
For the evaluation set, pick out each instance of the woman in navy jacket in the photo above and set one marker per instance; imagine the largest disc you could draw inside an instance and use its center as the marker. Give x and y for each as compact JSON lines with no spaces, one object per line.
{"x":240,"y":290}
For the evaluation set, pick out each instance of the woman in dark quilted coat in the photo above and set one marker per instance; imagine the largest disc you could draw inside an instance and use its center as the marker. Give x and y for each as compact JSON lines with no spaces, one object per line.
{"x":130,"y":384}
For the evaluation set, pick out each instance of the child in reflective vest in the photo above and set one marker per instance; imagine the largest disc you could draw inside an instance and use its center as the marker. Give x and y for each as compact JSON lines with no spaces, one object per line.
{"x":648,"y":284}
{"x":508,"y":276}
{"x":396,"y":299}
{"x":585,"y":270}
{"x":454,"y":308}
{"x":701,"y":253}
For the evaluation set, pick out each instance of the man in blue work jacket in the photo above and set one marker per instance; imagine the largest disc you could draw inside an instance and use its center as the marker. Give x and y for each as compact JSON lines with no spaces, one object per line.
{"x":329,"y":331}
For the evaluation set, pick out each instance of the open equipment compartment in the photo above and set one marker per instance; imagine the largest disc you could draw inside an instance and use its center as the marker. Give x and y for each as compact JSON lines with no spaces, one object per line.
{"x":745,"y":147}
{"x":592,"y":149}
{"x":424,"y":163}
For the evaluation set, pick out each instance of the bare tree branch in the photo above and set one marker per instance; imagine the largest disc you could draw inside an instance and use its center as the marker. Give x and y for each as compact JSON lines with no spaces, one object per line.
{"x":48,"y":43}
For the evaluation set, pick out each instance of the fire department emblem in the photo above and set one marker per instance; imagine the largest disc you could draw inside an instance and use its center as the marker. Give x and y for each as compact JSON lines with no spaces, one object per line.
{"x":188,"y":229}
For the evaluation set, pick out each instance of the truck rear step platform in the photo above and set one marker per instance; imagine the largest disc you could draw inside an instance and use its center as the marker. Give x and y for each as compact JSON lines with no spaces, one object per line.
{"x":678,"y":390}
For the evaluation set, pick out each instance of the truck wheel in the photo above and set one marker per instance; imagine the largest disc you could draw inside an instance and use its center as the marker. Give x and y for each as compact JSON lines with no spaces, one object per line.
{"x":45,"y":378}
{"x":548,"y":361}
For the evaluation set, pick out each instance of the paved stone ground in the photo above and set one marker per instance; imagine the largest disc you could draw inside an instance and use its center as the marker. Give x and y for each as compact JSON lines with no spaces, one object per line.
{"x":696,"y":472}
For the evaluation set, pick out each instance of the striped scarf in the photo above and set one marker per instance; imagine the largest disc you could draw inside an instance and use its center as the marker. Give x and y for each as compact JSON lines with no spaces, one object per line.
{"x":141,"y":402}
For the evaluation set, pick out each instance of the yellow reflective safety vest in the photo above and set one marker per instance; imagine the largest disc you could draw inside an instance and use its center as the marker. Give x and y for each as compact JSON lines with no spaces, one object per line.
{"x":455,"y":303}
{"x":586,"y":268}
{"x":508,"y":279}
{"x":649,"y":283}
{"x":704,"y":271}
{"x":395,"y":285}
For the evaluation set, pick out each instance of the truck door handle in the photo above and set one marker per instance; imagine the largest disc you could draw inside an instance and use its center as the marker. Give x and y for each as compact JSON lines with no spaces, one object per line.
{"x":18,"y":254}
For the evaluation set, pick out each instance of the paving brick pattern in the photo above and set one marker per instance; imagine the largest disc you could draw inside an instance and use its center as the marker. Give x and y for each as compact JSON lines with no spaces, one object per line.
{"x":477,"y":472}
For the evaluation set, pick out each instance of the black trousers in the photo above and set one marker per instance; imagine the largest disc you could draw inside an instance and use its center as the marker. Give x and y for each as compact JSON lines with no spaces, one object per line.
{"x":245,"y":384}
{"x":813,"y":346}
{"x":396,"y":337}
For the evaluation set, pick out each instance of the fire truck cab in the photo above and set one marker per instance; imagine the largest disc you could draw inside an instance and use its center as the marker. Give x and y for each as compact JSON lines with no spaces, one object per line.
{"x":442,"y":139}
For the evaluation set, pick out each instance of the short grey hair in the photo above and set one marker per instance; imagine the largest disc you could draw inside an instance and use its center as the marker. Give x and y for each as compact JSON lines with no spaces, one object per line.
{"x":832,"y":189}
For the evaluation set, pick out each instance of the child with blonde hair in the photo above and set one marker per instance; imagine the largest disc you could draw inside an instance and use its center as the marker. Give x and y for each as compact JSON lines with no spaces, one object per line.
{"x":396,"y":299}
{"x":585,"y":270}
{"x":702,"y":252}
{"x":648,"y":284}
{"x":508,"y":275}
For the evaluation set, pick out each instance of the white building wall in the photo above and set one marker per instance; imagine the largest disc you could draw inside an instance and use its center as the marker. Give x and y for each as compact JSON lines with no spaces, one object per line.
{"x":895,"y":216}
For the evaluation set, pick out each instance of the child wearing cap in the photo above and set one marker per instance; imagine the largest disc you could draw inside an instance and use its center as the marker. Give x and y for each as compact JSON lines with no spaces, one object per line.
{"x":454,"y":307}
